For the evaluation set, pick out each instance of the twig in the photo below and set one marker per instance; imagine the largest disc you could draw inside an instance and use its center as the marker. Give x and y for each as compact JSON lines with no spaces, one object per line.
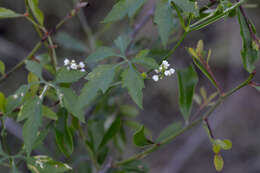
{"x":194,"y":123}
{"x":20,"y":64}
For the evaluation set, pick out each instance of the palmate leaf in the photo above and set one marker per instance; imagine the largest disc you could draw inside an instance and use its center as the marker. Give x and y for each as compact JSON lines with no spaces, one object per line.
{"x":165,"y":20}
{"x":133,"y":81}
{"x":187,"y":80}
{"x":123,"y":8}
{"x":249,"y":53}
{"x":68,"y":76}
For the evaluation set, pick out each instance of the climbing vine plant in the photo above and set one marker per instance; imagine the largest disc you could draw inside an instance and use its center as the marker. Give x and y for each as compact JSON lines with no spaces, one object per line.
{"x":96,"y":116}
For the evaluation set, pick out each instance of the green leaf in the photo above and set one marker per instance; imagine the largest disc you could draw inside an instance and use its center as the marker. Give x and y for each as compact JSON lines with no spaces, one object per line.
{"x":36,"y":11}
{"x":111,"y":132}
{"x":35,"y":68}
{"x":187,"y":6}
{"x":45,"y":164}
{"x":2,"y":102}
{"x":6,"y":13}
{"x":133,"y":81}
{"x":15,"y":100}
{"x":249,"y":54}
{"x":129,"y":110}
{"x":187,"y":79}
{"x":139,"y":138}
{"x":224,"y":144}
{"x":141,"y":58}
{"x":171,"y":130}
{"x":218,"y":162}
{"x":165,"y":20}
{"x":69,"y":42}
{"x":47,"y":112}
{"x":100,"y":54}
{"x":216,"y":148}
{"x":32,"y":124}
{"x":70,"y":103}
{"x":26,"y":110}
{"x":2,"y":68}
{"x":202,"y":67}
{"x":33,"y":80}
{"x":123,"y":8}
{"x":88,"y":93}
{"x":122,"y":43}
{"x":102,"y":76}
{"x":63,"y":134}
{"x":68,"y":76}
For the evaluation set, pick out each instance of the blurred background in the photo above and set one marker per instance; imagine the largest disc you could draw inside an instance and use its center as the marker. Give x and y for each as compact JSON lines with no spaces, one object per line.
{"x":237,"y":119}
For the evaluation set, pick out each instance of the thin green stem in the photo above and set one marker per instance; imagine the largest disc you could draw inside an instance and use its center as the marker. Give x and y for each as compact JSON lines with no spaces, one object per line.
{"x":193,"y":124}
{"x":179,"y":15}
{"x":176,"y":46}
{"x":20,"y":64}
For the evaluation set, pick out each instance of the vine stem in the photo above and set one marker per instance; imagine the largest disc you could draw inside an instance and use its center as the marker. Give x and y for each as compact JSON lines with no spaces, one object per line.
{"x":193,"y":124}
{"x":20,"y":64}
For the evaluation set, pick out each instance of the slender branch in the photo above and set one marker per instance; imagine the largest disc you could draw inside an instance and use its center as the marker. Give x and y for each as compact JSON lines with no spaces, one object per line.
{"x":194,"y":123}
{"x":20,"y":64}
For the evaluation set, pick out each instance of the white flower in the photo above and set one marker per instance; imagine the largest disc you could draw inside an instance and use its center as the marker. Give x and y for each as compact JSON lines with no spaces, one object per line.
{"x":155,"y":78}
{"x":73,"y":61}
{"x":156,"y":71}
{"x":83,"y":70}
{"x":15,"y":96}
{"x":66,"y":62}
{"x":81,"y":64}
{"x":160,"y":68}
{"x":67,"y":166}
{"x":172,"y":71}
{"x":68,"y":68}
{"x":73,"y":66}
{"x":22,"y":94}
{"x":167,"y":73}
{"x":165,"y":64}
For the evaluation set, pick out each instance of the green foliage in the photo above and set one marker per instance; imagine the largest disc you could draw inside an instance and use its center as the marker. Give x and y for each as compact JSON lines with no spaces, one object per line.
{"x":123,"y":8}
{"x":2,"y":68}
{"x":64,"y":138}
{"x":35,"y":68}
{"x":249,"y":53}
{"x":169,"y":131}
{"x":140,"y":139}
{"x":133,"y":81}
{"x":111,"y":132}
{"x":45,"y":164}
{"x":218,"y":162}
{"x":165,"y":20}
{"x":187,"y":6}
{"x":32,"y":124}
{"x":68,"y":76}
{"x":100,"y":54}
{"x":6,"y":13}
{"x":187,"y":80}
{"x":36,"y":11}
{"x":89,"y":108}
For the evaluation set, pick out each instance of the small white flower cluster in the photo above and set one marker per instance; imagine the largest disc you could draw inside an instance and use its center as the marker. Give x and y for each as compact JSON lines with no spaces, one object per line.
{"x":163,"y":71}
{"x":74,"y":66}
